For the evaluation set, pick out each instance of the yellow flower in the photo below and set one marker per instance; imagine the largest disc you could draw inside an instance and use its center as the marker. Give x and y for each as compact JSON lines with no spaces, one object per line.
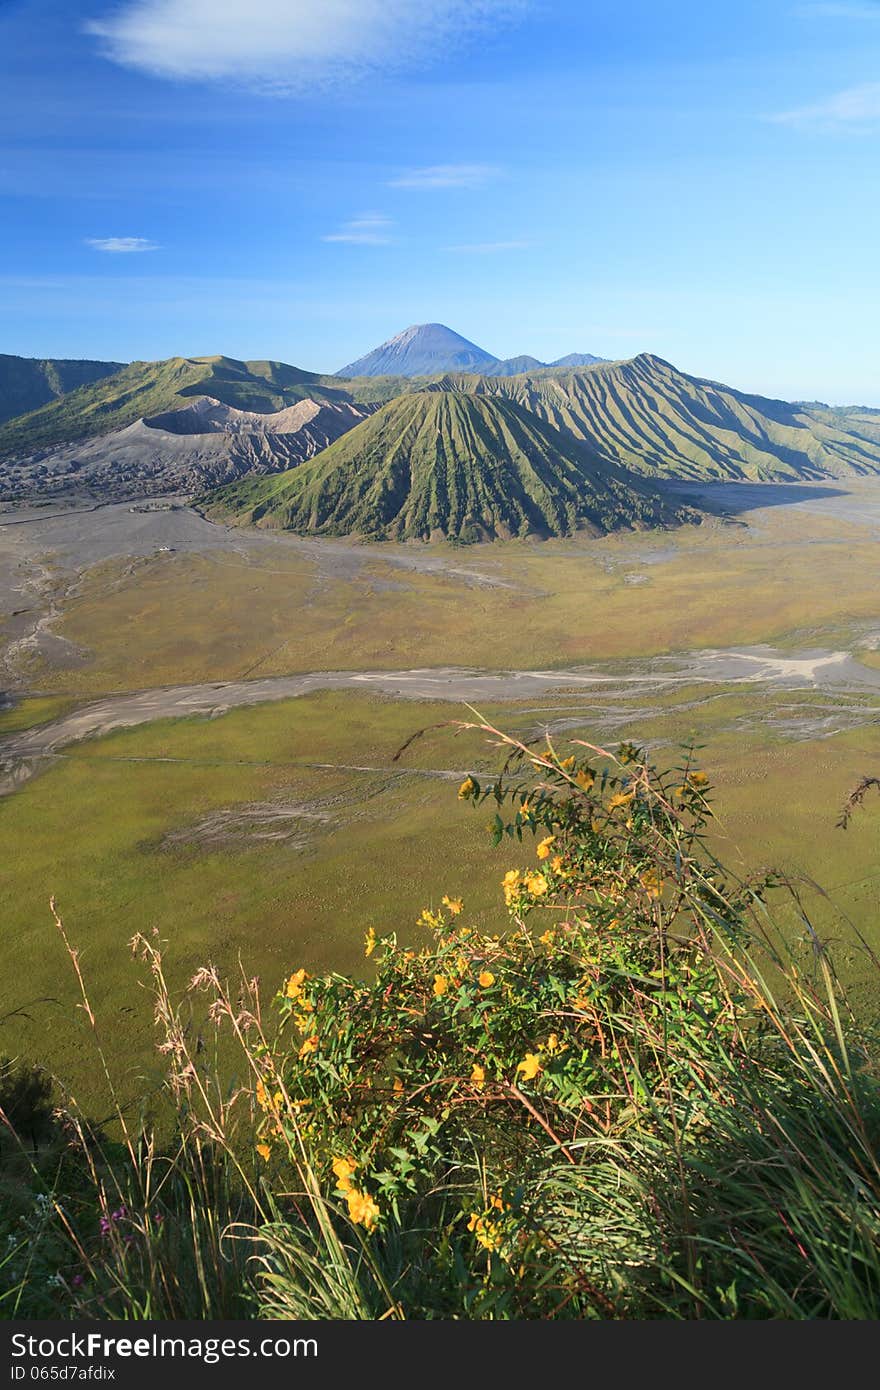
{"x":478,"y":1076}
{"x":530,"y":1066}
{"x":652,"y":883}
{"x":620,"y":799}
{"x":398,"y":1086}
{"x":567,"y":764}
{"x":345,"y":1169}
{"x":264,"y":1151}
{"x":698,"y":779}
{"x":548,"y":938}
{"x":265,"y":1101}
{"x":429,"y":919}
{"x":543,"y":850}
{"x":362,"y":1209}
{"x":293,"y":988}
{"x":310,"y":1045}
{"x":487,"y":1232}
{"x":369,"y":942}
{"x":455,"y":905}
{"x":536,"y":884}
{"x":511,"y":883}
{"x":486,"y":979}
{"x":556,"y":863}
{"x":467,"y":788}
{"x":553,"y":1044}
{"x":441,"y":985}
{"x":585,"y":779}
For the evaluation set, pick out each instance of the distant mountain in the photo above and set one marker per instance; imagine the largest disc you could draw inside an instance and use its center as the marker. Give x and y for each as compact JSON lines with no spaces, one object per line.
{"x":422,"y":350}
{"x":26,"y":383}
{"x":514,"y":366}
{"x":429,"y":349}
{"x":577,"y":359}
{"x":144,"y":389}
{"x":201,"y":445}
{"x":435,"y":464}
{"x":653,"y":419}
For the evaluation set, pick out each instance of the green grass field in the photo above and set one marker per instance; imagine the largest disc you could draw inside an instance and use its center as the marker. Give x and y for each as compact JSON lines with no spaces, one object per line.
{"x":186,"y":618}
{"x":27,"y":714}
{"x":176,"y":826}
{"x":98,"y":831}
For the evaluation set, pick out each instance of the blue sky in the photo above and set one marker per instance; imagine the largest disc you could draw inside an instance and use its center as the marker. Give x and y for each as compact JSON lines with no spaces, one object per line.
{"x":300,"y":179}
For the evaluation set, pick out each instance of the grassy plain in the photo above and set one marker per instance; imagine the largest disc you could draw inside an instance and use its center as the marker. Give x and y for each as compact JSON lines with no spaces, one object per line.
{"x":177,"y":618}
{"x":121,"y":828}
{"x":27,"y":714}
{"x":169,"y":826}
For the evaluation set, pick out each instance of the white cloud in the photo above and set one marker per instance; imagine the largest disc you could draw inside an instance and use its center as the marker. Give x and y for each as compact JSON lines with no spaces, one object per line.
{"x":288,"y":45}
{"x":489,"y":248}
{"x":121,"y":245}
{"x":853,"y":108}
{"x":369,"y":229}
{"x":446,"y":176}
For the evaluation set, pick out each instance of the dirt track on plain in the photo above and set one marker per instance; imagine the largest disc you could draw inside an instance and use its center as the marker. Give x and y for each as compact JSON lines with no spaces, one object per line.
{"x":22,"y":753}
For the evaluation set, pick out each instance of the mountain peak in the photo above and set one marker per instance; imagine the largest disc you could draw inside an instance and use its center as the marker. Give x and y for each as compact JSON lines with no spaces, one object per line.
{"x":577,"y":359}
{"x":423,"y":349}
{"x":432,"y":349}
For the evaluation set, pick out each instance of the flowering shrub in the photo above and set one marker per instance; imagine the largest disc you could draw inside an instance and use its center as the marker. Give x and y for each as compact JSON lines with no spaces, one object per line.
{"x":468,"y":1058}
{"x":632,"y":1099}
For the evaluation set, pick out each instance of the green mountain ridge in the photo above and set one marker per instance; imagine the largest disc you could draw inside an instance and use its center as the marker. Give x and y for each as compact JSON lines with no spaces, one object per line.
{"x":642,"y":414}
{"x":151,"y":388}
{"x":455,"y":465}
{"x":656,"y":420}
{"x":26,"y":383}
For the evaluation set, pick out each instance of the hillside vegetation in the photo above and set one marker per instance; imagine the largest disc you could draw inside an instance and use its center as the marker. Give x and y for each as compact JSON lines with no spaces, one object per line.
{"x":151,"y":388}
{"x":26,"y":383}
{"x":437,"y":464}
{"x":650,"y":417}
{"x":642,"y":415}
